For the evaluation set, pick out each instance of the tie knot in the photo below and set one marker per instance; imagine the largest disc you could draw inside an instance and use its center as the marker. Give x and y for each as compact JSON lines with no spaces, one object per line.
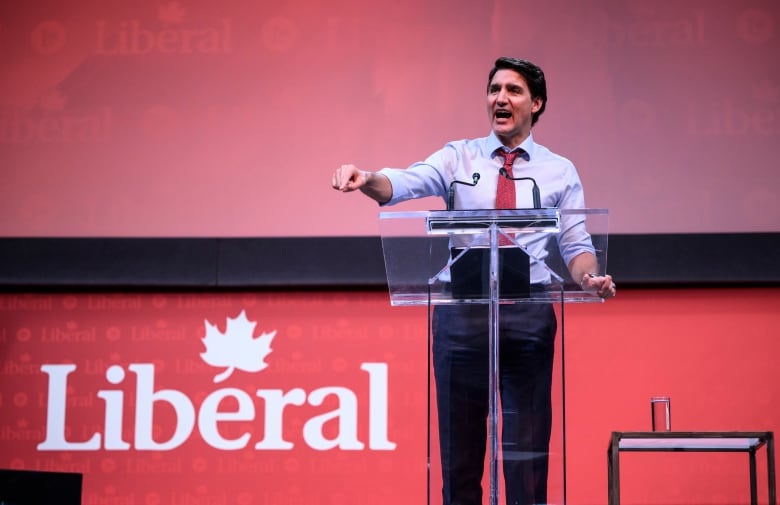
{"x":509,"y":158}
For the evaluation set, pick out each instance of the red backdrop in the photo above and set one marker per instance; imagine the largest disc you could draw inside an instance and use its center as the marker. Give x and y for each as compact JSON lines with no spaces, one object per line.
{"x":180,"y":118}
{"x":71,"y":361}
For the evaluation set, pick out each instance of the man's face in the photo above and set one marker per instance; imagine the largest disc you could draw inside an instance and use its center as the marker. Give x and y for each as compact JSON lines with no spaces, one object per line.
{"x":510,"y":107}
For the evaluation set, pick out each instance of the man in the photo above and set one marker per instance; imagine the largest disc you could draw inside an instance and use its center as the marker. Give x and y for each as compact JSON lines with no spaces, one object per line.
{"x":516,"y":97}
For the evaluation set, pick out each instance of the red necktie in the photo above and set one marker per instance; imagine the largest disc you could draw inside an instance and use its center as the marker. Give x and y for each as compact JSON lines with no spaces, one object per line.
{"x":505,"y":191}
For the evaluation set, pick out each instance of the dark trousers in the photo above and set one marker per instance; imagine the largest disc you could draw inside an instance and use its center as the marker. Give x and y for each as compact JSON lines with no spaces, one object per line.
{"x":460,"y":360}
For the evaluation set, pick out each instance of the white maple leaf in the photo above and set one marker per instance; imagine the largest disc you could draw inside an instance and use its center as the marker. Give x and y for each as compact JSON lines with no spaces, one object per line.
{"x":236,"y":348}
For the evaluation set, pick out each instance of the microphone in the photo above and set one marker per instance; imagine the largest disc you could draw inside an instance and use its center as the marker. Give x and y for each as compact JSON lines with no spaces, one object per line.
{"x":451,"y":192}
{"x":534,"y":191}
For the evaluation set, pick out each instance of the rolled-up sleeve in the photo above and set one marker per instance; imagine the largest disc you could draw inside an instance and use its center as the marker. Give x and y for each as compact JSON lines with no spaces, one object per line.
{"x":422,"y":179}
{"x":573,"y":238}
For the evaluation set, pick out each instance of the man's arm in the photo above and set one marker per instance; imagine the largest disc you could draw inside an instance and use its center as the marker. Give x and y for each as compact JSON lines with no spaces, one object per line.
{"x":348,"y":178}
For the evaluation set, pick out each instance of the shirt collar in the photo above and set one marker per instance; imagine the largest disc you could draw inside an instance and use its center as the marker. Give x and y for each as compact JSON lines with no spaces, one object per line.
{"x":528,"y":145}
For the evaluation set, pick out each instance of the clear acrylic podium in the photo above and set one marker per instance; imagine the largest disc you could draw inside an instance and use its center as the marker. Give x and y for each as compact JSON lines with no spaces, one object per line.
{"x":492,"y":258}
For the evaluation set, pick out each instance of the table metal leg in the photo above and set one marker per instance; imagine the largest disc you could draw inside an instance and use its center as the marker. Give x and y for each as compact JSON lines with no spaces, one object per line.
{"x":613,"y":470}
{"x":770,"y":468}
{"x":753,"y":486}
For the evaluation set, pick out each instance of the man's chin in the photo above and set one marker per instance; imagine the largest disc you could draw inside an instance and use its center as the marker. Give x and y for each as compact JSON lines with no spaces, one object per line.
{"x":502,"y":129}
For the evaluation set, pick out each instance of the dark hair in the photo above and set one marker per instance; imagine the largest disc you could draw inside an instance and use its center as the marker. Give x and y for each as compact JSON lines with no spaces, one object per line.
{"x":532,"y":74}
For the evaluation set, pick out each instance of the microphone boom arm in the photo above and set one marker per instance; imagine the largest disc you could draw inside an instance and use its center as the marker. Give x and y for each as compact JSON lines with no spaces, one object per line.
{"x":451,"y":191}
{"x":535,"y":193}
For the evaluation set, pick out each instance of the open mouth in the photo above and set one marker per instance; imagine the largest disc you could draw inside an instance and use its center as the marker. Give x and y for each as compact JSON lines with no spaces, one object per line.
{"x":503,"y":114}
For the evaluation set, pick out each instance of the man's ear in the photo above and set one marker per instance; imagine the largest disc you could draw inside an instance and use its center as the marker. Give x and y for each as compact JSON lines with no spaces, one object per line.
{"x":537,"y":104}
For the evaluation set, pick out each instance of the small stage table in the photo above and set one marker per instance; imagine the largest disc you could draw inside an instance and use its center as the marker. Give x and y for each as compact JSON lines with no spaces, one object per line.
{"x":693,"y":441}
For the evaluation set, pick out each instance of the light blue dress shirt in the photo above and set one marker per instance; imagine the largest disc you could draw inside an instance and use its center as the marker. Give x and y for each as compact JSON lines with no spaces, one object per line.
{"x":555,"y":175}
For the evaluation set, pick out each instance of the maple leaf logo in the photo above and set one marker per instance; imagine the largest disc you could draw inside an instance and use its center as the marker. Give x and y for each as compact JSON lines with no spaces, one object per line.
{"x":237,"y":347}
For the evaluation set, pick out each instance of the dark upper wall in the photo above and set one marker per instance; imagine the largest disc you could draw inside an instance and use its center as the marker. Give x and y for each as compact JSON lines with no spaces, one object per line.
{"x":204,"y":263}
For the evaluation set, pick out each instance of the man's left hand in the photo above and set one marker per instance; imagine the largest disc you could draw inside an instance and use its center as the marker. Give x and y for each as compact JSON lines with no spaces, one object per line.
{"x":602,"y":285}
